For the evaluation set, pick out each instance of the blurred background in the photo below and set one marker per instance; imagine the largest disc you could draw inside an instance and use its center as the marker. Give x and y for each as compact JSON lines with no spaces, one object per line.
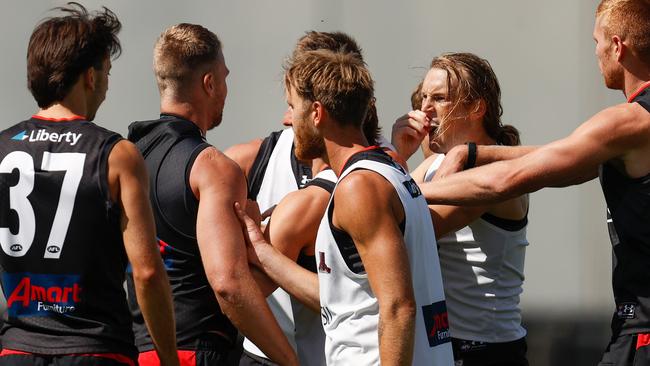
{"x":541,"y":51}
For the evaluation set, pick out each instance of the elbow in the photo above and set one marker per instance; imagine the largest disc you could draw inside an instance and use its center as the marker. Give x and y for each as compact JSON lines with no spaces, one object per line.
{"x":226,"y":285}
{"x":149,"y":275}
{"x":402,"y":310}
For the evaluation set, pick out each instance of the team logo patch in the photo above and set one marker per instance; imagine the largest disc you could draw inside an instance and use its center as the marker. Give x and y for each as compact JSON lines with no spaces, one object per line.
{"x":322,"y":266}
{"x":413,"y":188}
{"x":42,"y":135}
{"x":436,"y":323}
{"x":30,"y":294}
{"x":626,"y":310}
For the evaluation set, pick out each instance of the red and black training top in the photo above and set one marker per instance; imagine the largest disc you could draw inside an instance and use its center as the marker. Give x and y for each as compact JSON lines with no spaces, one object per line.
{"x":170,"y":146}
{"x":63,"y":258}
{"x":628,"y":221}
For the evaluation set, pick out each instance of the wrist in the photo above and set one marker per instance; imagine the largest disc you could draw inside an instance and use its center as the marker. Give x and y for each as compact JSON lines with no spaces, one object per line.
{"x":470,"y":162}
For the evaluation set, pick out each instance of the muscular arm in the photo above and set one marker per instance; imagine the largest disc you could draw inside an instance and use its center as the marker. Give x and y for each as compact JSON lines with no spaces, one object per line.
{"x":129,"y":186}
{"x":217,"y":182}
{"x":608,"y":135}
{"x":292,"y":230}
{"x":369,"y":210}
{"x":244,"y":154}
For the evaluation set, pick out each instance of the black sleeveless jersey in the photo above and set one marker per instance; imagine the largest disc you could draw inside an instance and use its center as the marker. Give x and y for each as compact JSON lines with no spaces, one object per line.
{"x":169,"y":146}
{"x":628,"y":221}
{"x":63,"y":258}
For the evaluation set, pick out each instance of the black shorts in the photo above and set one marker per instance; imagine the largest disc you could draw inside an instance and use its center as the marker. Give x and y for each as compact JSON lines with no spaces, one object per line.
{"x":473,"y":353}
{"x":627,"y":350}
{"x":188,"y":358}
{"x":249,"y":359}
{"x":18,"y":358}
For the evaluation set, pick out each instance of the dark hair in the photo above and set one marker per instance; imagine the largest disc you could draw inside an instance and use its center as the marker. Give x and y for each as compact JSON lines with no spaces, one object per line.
{"x":62,"y":48}
{"x":371,"y":129}
{"x":180,"y":51}
{"x":340,"y":81}
{"x":473,"y":80}
{"x":332,"y":41}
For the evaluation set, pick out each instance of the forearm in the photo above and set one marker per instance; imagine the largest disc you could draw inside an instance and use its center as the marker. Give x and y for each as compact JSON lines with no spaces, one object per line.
{"x":296,"y":280}
{"x":486,"y":154}
{"x":264,"y":282}
{"x":247,"y":309}
{"x":396,"y":332}
{"x":155,"y":301}
{"x":480,"y":186}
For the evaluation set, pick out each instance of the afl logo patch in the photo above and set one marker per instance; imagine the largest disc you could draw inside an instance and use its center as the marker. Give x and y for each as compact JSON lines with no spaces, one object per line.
{"x":53,"y":249}
{"x":16,"y":248}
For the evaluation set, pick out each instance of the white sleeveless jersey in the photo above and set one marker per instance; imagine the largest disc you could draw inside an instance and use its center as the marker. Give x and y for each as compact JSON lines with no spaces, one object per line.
{"x":279,"y":179}
{"x":300,"y":325}
{"x":309,"y":334}
{"x":483,"y":271}
{"x":349,"y":307}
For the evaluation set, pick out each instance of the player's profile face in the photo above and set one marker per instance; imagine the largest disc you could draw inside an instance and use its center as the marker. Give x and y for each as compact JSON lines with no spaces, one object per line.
{"x":308,"y":142}
{"x":605,"y":56}
{"x":100,"y":89}
{"x":219,"y":73}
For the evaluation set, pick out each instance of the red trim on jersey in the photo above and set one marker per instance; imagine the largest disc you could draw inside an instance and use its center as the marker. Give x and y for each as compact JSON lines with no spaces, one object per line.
{"x":150,"y":358}
{"x":9,"y":352}
{"x":113,"y":356}
{"x":636,"y":93}
{"x":642,"y":340}
{"x":66,"y":119}
{"x":372,"y":147}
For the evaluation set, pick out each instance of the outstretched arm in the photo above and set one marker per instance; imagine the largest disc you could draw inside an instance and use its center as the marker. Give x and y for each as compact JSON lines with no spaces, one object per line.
{"x":369,"y":210}
{"x":608,"y":135}
{"x":129,"y":186}
{"x":218,"y":183}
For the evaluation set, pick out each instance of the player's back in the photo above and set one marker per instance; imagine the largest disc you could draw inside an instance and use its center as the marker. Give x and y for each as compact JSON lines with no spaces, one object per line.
{"x":63,"y":258}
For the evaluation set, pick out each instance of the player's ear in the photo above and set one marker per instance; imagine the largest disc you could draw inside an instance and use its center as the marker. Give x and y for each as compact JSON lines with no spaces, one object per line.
{"x":477,"y":112}
{"x":207,"y":83}
{"x":319,"y":112}
{"x":89,"y":78}
{"x":619,"y":48}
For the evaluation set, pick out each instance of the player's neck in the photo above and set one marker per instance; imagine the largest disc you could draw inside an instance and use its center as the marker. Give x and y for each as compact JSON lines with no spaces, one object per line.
{"x":60,"y":111}
{"x":342,"y":145}
{"x":185,"y":110}
{"x":634,"y":81}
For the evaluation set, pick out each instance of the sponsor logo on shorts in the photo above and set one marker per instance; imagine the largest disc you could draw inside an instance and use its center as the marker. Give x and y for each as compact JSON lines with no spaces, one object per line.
{"x":436,"y":323}
{"x":626,"y":310}
{"x":30,"y":294}
{"x":42,"y":135}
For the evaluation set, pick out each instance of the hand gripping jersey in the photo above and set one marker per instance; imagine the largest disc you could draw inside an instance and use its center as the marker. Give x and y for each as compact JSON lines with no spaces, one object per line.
{"x":169,"y":146}
{"x":349,"y":309}
{"x":63,"y":258}
{"x":628,"y":221}
{"x":275,"y":173}
{"x":483,"y":273}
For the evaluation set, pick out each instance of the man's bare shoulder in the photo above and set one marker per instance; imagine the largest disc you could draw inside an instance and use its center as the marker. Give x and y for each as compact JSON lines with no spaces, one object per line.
{"x":244,"y":154}
{"x":212,"y":168}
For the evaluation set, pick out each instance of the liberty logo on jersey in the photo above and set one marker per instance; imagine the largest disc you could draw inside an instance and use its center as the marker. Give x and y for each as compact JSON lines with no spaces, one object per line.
{"x":42,"y":135}
{"x":436,"y":323}
{"x":31,"y":294}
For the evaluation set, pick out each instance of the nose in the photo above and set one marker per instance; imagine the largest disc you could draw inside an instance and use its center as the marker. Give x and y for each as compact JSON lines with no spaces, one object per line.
{"x":428,"y":108}
{"x":287,"y":119}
